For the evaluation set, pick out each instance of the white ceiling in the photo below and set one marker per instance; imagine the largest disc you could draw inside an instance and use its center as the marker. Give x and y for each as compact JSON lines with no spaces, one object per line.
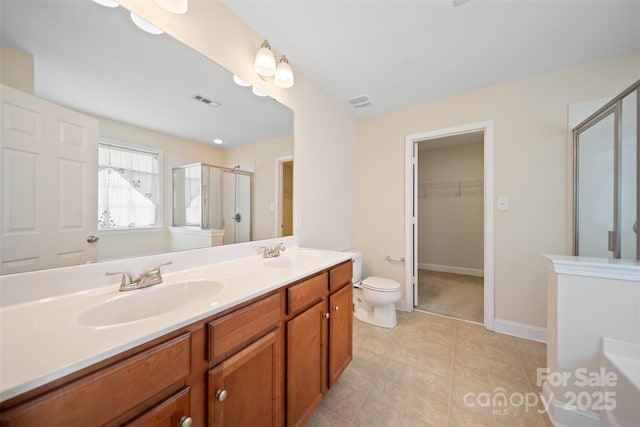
{"x":402,"y":53}
{"x":94,"y":59}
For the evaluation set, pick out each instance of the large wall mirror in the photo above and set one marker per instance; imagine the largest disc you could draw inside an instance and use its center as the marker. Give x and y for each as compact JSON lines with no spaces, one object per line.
{"x":98,"y":116}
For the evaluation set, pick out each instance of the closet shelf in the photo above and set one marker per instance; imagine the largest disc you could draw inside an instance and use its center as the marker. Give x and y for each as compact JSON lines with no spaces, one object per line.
{"x":458,"y":185}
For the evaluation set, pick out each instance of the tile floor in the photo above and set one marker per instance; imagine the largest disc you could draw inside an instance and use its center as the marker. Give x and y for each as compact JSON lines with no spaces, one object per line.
{"x":419,"y":373}
{"x":454,"y":295}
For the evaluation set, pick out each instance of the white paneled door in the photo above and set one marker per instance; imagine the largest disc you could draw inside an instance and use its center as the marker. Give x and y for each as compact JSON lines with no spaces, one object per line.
{"x":48,"y":183}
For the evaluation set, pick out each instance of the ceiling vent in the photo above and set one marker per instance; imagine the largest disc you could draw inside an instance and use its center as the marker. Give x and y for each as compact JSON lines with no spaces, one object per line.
{"x":206,"y":100}
{"x":360,"y":101}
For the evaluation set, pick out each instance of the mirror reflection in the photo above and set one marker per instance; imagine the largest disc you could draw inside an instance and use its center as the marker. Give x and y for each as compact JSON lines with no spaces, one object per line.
{"x":99,"y":117}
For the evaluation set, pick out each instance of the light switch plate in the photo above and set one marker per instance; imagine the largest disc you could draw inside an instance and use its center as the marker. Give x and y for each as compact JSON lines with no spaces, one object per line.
{"x":503,"y":203}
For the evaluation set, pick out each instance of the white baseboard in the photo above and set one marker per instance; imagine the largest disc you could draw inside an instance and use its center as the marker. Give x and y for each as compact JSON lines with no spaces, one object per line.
{"x":522,"y":330}
{"x":562,"y":415}
{"x":478,"y":272}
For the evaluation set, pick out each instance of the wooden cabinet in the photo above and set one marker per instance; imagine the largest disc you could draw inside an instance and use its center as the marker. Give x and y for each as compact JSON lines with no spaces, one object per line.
{"x":340,"y":332}
{"x":231,"y":369}
{"x":245,"y":389}
{"x":172,"y":412}
{"x":306,"y":362}
{"x":319,"y":339}
{"x":109,"y":394}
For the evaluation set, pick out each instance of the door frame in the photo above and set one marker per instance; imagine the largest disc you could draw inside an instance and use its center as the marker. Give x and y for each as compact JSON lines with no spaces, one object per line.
{"x":277,"y":231}
{"x":411,"y":232}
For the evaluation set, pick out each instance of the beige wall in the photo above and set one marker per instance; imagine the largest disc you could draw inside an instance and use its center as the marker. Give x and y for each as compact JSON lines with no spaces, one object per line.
{"x":324,"y":133}
{"x":263,"y":155}
{"x":450,"y":219}
{"x":531,"y":168}
{"x":16,"y":69}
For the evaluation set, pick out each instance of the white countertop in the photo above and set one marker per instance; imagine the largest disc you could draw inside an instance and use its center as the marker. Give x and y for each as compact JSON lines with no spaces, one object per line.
{"x":43,"y":340}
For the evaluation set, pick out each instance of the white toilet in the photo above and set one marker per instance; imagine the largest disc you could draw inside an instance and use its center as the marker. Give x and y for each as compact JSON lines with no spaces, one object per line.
{"x":374,"y":298}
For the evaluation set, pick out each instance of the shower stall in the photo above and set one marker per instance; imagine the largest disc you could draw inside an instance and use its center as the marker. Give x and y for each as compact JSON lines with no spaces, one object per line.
{"x":214,"y":198}
{"x":606,"y":179}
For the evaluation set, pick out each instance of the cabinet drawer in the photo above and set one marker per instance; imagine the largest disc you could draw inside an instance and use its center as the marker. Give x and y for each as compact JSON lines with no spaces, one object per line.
{"x":100,"y":397}
{"x":307,"y":293}
{"x":341,"y":275}
{"x":231,"y":332}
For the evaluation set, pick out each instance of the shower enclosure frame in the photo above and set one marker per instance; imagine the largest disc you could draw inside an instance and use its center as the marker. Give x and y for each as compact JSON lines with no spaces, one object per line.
{"x":612,"y":107}
{"x":223,"y":169}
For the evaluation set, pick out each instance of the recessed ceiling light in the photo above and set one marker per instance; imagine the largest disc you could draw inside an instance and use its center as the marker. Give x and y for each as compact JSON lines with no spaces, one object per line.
{"x":218,"y":141}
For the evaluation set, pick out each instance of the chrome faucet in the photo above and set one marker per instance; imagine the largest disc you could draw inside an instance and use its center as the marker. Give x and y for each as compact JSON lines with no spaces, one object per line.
{"x":273,"y":252}
{"x":144,"y":280}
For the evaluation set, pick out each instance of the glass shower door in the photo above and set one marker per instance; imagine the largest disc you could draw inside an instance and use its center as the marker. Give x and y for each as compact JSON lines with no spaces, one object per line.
{"x":595,"y":187}
{"x":236,"y":195}
{"x":607,"y":179}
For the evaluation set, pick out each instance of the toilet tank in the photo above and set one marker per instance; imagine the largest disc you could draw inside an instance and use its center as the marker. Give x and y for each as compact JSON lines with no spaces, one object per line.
{"x":357,"y":266}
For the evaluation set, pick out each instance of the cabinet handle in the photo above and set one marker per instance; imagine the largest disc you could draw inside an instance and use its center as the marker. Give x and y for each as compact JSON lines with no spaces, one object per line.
{"x":221,"y":395}
{"x":185,"y":422}
{"x":326,"y":315}
{"x":336,"y":308}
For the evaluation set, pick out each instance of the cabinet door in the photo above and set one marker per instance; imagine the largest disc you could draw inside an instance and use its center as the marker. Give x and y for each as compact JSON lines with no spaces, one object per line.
{"x":306,"y":363}
{"x":340,"y":332}
{"x":245,"y":389}
{"x":172,"y":412}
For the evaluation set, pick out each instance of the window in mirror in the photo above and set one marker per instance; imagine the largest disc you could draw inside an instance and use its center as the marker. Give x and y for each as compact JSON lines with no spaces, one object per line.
{"x":128,"y":187}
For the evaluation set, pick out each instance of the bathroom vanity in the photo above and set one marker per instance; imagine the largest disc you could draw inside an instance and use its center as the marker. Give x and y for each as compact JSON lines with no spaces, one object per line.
{"x":262,"y":350}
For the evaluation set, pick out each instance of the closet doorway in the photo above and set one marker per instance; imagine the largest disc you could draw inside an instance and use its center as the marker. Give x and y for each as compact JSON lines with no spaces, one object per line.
{"x":450,"y":222}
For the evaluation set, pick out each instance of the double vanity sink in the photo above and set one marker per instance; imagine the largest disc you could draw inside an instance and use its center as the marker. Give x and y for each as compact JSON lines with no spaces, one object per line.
{"x":46,"y":339}
{"x":131,"y":306}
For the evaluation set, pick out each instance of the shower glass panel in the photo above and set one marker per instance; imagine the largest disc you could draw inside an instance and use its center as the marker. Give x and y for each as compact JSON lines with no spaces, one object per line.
{"x":595,"y":181}
{"x":607,"y":179}
{"x":236,"y":212}
{"x":628,"y":176}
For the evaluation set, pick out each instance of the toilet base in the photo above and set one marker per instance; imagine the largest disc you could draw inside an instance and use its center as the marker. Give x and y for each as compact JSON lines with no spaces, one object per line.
{"x":384,"y":317}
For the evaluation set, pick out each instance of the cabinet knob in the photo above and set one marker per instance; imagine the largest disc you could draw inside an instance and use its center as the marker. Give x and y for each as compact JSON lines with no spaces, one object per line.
{"x":336,"y":308}
{"x":326,"y":315}
{"x":221,"y":395}
{"x":185,"y":422}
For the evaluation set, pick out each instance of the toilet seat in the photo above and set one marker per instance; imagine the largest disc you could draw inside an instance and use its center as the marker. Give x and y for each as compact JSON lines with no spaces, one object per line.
{"x":380,"y":284}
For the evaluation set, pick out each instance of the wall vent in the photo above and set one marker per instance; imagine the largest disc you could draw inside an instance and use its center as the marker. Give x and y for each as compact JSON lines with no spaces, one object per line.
{"x":206,"y":100}
{"x":360,"y":101}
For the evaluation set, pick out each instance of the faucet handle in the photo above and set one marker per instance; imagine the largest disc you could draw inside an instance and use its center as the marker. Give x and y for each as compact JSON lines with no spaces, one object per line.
{"x":126,"y":277}
{"x":157,"y":267}
{"x":282,"y":247}
{"x":154,"y":276}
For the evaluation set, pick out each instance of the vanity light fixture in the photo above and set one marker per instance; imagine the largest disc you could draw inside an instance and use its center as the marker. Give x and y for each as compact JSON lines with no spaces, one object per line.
{"x":266,"y":67}
{"x":145,"y":25}
{"x":174,"y":6}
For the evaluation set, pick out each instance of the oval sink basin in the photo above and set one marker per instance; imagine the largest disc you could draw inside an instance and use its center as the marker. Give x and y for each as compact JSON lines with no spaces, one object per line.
{"x":292,"y":260}
{"x":148,"y":302}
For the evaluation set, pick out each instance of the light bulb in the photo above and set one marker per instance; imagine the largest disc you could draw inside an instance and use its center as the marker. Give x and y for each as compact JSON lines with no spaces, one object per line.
{"x":145,"y":25}
{"x":284,"y":74}
{"x":218,"y":141}
{"x":265,"y":63}
{"x":174,"y":6}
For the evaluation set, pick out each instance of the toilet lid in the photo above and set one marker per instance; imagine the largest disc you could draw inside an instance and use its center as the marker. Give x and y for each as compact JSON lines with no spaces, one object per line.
{"x":380,"y":284}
